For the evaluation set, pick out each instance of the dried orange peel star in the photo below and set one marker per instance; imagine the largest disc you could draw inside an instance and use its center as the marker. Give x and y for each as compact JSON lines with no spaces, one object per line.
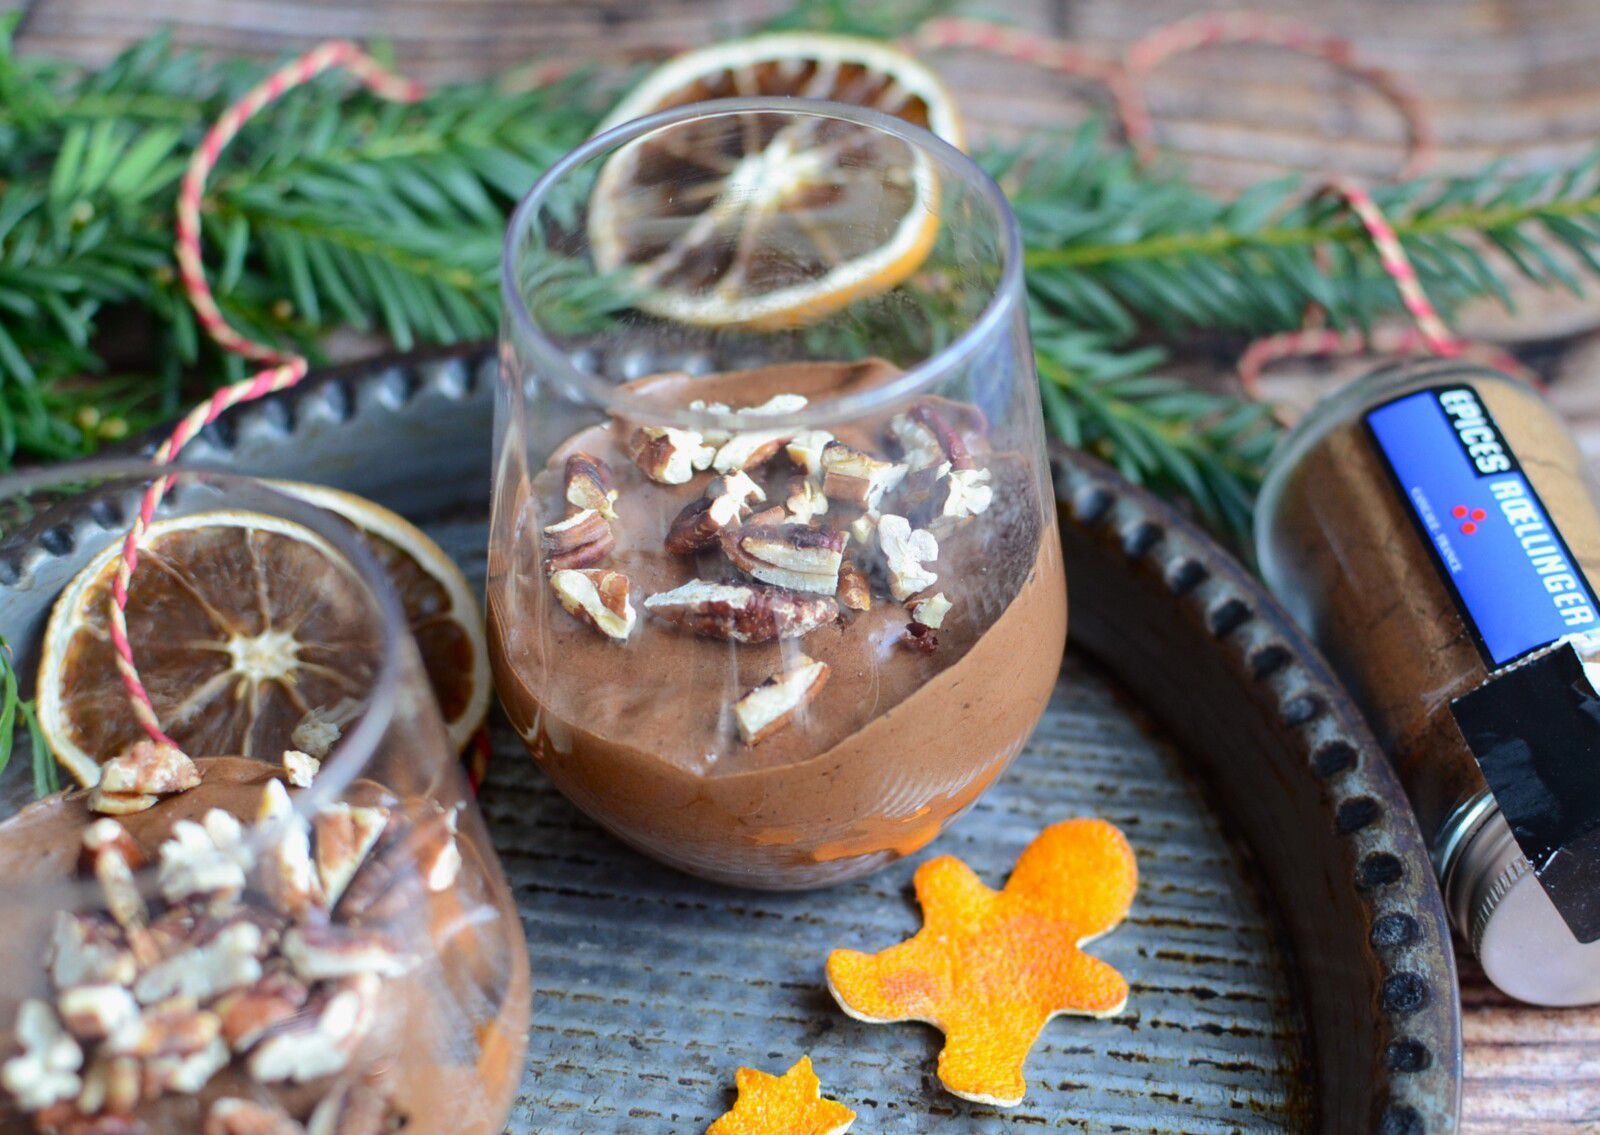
{"x":790,"y":1104}
{"x":989,"y":968}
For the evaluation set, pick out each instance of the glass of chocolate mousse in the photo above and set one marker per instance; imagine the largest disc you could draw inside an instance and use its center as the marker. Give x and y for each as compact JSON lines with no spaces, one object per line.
{"x":282,"y":915}
{"x":775,"y":588}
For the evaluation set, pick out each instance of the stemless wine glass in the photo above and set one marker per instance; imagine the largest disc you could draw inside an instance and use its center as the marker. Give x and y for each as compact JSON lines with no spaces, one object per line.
{"x":334,"y":944}
{"x":775,"y":588}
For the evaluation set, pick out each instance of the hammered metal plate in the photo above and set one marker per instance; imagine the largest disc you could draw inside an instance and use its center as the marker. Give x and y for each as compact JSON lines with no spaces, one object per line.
{"x":1246,"y":1013}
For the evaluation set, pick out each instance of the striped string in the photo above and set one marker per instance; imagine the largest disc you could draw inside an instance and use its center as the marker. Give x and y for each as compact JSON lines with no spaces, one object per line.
{"x":283,"y":369}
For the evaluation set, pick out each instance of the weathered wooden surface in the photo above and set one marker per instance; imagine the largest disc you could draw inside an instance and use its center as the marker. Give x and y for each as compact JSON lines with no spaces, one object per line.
{"x":1516,"y":78}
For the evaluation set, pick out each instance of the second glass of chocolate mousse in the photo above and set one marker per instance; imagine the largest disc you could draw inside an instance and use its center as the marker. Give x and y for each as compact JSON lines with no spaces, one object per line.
{"x":775,"y":587}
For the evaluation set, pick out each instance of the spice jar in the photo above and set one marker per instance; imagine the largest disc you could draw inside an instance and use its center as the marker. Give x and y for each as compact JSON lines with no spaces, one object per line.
{"x":1434,"y":528}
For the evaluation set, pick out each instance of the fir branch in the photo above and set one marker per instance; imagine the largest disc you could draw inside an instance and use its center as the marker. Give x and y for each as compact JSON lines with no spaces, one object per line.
{"x":1122,"y":247}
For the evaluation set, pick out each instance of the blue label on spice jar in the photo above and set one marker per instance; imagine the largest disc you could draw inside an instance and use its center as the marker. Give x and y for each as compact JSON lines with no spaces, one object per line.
{"x":1513,"y":576}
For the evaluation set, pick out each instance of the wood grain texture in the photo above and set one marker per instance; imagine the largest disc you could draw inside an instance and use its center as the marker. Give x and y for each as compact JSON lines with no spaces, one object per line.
{"x":1512,"y":78}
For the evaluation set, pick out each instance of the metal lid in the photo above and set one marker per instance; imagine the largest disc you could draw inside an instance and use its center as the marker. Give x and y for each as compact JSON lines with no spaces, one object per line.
{"x":1520,"y":938}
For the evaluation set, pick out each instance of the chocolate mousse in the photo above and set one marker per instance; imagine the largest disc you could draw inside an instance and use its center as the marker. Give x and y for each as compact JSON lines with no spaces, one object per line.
{"x":779,"y":657}
{"x":214,"y":962}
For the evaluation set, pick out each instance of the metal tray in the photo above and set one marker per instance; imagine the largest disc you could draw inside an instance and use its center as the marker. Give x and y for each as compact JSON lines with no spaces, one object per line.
{"x":1288,"y":952}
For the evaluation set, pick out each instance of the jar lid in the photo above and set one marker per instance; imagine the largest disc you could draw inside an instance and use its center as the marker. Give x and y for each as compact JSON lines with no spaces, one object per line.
{"x":1521,"y":940}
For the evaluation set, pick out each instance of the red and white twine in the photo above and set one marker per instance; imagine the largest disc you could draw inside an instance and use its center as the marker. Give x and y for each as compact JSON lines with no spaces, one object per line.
{"x":285,"y":369}
{"x":1122,"y":78}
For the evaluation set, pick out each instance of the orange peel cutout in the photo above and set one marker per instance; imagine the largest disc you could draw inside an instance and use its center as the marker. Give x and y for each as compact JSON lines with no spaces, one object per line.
{"x":790,"y":1104}
{"x":990,"y":968}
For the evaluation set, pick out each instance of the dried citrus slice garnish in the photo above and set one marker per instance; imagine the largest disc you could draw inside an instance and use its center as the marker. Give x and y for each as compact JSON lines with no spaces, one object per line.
{"x":242,"y":623}
{"x":989,"y":968}
{"x":770,"y":223}
{"x":791,"y":1104}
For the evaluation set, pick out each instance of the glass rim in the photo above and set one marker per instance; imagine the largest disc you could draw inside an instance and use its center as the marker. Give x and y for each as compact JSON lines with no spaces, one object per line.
{"x":551,"y":359}
{"x":354,"y":751}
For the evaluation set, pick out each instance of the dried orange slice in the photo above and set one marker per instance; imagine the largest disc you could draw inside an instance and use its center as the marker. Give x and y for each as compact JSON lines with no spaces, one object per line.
{"x":767,"y":225}
{"x":243,"y":623}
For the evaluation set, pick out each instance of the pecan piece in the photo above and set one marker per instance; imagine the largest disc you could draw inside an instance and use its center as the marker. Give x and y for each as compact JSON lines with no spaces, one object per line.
{"x":94,"y":1012}
{"x":248,"y":1014}
{"x":741,"y":613}
{"x":187,"y":1074}
{"x":300,"y":769}
{"x":950,"y":442}
{"x":588,"y":484}
{"x":905,"y":550}
{"x":414,"y":856}
{"x":232,"y":1116}
{"x":87,"y":949}
{"x":112,"y":1086}
{"x":581,"y":540}
{"x":345,"y":833}
{"x":855,"y":477}
{"x":172,"y":1028}
{"x":701,"y":522}
{"x":111,"y":856}
{"x":319,"y":953}
{"x":929,"y":610}
{"x":737,"y":485}
{"x":598,"y":597}
{"x":854,"y":591}
{"x":320,"y":1040}
{"x":668,"y":456}
{"x":774,"y":703}
{"x":806,"y":502}
{"x":805,"y":450}
{"x":787,"y":555}
{"x":46,"y":1071}
{"x":149,"y":769}
{"x":967,"y":492}
{"x":225,"y":959}
{"x":287,"y":874}
{"x":205,"y":860}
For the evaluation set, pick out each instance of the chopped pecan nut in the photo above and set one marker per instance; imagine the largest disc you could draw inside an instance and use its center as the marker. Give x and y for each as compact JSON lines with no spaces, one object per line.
{"x":950,"y":442}
{"x":46,"y":1070}
{"x":248,"y":1014}
{"x":774,"y":703}
{"x":345,"y":833}
{"x":225,"y":961}
{"x":111,"y":856}
{"x":204,"y":860}
{"x":737,"y":485}
{"x":94,"y":1012}
{"x":288,"y":875}
{"x":172,"y":1028}
{"x":749,"y":450}
{"x":112,"y":1086}
{"x":668,"y":456}
{"x":416,"y":853}
{"x":353,"y":1109}
{"x":929,"y":610}
{"x":919,"y":638}
{"x":300,"y":768}
{"x":701,"y":522}
{"x":120,"y":803}
{"x":741,"y":613}
{"x":319,"y":730}
{"x":598,"y":597}
{"x":87,"y":949}
{"x":806,"y":502}
{"x":319,"y":953}
{"x":864,"y":528}
{"x":438,"y":852}
{"x":805,"y":450}
{"x":854,"y":591}
{"x":588,"y":484}
{"x":320,"y":1040}
{"x":148,"y":769}
{"x":186,"y":1074}
{"x":233,"y":1116}
{"x":787,"y":555}
{"x":967,"y":492}
{"x":581,"y":540}
{"x":915,"y":443}
{"x":905,"y":550}
{"x":712,"y":437}
{"x":855,"y":477}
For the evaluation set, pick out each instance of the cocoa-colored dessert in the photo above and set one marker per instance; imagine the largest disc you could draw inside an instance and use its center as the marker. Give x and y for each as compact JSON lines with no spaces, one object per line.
{"x":779,"y":657}
{"x":360,"y":974}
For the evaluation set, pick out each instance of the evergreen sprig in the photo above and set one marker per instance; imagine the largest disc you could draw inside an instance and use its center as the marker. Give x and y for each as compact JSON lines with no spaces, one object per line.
{"x":335,"y":210}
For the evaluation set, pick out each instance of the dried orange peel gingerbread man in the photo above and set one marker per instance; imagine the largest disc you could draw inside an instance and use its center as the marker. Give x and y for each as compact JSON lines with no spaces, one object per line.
{"x":790,"y":1104}
{"x":990,"y":969}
